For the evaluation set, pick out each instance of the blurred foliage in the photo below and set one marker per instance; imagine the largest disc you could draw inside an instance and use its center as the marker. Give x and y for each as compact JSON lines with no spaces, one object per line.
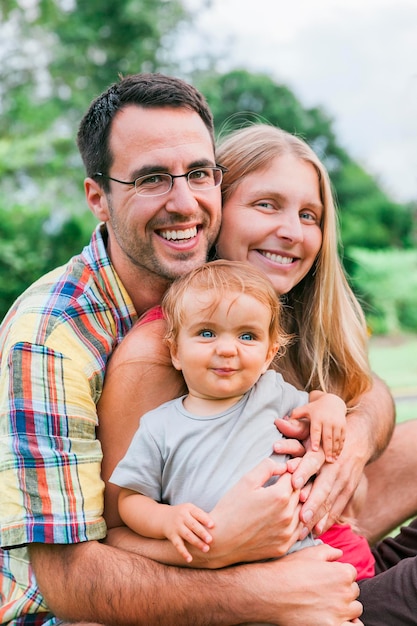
{"x":57,"y":55}
{"x":31,"y":243}
{"x":387,"y":281}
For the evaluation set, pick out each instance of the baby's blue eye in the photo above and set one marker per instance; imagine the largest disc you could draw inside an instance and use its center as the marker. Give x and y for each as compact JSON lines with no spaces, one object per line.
{"x":247,"y":337}
{"x":206,"y":333}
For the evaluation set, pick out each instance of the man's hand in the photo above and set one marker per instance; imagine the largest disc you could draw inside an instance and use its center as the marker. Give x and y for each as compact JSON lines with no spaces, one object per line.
{"x":325,"y":595}
{"x":253,"y":522}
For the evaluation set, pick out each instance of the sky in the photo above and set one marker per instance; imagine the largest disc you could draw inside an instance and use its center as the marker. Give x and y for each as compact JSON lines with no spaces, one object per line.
{"x":356,"y":59}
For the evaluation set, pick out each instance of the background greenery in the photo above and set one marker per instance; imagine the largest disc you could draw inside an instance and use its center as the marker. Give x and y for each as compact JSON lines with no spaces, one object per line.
{"x":57,"y":55}
{"x":394,"y":360}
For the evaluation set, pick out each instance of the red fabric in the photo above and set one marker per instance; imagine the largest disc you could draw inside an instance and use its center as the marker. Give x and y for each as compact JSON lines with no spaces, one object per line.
{"x":155,"y":313}
{"x":355,"y":548}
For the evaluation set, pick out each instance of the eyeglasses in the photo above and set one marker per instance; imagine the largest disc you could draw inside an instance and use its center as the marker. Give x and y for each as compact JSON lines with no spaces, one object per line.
{"x":158,"y":184}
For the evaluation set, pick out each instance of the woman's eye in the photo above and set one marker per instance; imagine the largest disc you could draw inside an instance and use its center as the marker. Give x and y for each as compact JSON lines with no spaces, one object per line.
{"x":306,"y":216}
{"x":266,"y":206}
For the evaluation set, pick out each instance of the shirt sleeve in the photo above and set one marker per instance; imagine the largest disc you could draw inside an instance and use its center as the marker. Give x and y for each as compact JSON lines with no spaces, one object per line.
{"x":141,"y":468}
{"x":49,"y":455}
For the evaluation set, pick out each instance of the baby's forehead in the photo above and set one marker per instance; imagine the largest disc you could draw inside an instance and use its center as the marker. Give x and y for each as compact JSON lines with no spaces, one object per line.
{"x":225,"y":301}
{"x":203,"y":296}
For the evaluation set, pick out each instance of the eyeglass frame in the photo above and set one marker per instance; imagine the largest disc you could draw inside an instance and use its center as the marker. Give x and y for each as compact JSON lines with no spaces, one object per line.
{"x":218,"y":168}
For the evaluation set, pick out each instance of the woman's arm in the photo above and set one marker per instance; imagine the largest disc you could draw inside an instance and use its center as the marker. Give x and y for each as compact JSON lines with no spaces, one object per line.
{"x":139,"y":377}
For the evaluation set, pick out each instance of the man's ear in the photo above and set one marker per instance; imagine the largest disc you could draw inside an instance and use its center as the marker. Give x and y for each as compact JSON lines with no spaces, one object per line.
{"x":96,"y":199}
{"x":272,"y":350}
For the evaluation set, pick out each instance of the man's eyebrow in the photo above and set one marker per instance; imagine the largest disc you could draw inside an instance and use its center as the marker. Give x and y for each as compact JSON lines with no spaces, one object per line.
{"x":162,"y":169}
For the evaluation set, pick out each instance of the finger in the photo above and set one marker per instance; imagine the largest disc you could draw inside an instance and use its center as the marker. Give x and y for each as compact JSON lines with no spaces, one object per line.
{"x":309,"y":465}
{"x":293,"y":429}
{"x":194,"y":528}
{"x":292,"y":464}
{"x":322,"y":552}
{"x":261,"y":473}
{"x":322,"y":524}
{"x":305,"y":492}
{"x":315,"y":436}
{"x":202,"y":517}
{"x":293,"y":447}
{"x":330,"y":445}
{"x":178,"y":543}
{"x":194,"y":538}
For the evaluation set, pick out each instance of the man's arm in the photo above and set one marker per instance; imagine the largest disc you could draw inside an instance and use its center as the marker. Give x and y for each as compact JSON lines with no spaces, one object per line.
{"x":369,"y":428}
{"x":99,"y":583}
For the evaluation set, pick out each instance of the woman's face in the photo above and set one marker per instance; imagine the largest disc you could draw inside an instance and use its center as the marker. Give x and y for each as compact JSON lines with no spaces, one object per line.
{"x":272,"y":220}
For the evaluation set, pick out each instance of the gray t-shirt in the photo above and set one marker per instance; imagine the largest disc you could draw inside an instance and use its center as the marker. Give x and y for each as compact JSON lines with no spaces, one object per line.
{"x":177,"y":457}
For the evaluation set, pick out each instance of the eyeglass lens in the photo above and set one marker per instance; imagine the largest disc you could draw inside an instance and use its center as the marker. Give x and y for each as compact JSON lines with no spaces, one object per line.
{"x":198,"y":180}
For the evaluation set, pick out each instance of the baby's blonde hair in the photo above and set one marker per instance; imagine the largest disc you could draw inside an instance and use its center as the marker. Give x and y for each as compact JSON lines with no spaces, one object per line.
{"x":223,"y":278}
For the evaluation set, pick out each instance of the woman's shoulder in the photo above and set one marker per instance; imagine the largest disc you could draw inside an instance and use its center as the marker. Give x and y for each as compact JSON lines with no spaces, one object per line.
{"x":145,"y":340}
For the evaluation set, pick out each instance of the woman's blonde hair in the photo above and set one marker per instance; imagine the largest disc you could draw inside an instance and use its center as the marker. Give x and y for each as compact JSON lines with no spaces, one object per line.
{"x":223,"y":278}
{"x":321,"y":312}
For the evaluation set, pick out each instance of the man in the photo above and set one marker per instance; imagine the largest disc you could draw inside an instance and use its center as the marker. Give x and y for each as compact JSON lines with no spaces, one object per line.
{"x":152,"y":180}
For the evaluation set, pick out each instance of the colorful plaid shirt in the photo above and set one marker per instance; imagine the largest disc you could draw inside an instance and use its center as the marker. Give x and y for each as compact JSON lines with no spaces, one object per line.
{"x":54,"y":346}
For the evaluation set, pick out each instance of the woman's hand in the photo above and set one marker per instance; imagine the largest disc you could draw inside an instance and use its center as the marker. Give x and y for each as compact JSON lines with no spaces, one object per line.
{"x":326,"y":498}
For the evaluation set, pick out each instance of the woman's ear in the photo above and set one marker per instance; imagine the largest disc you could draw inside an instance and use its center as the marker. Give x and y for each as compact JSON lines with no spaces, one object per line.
{"x":96,"y":199}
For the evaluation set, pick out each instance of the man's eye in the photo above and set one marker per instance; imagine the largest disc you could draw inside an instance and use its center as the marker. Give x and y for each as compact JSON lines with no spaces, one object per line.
{"x":153,"y":180}
{"x":202,"y":177}
{"x":196,"y":174}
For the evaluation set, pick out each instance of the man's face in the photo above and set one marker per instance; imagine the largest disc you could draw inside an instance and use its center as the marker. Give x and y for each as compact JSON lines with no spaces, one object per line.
{"x":165,"y":235}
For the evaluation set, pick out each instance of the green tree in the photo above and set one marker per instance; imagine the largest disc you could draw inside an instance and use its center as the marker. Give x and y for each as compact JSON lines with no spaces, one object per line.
{"x":56,"y":55}
{"x":31,"y":243}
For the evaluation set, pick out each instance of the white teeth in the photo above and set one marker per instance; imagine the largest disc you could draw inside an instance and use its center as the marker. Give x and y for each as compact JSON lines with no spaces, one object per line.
{"x":179,"y":234}
{"x":277,"y":258}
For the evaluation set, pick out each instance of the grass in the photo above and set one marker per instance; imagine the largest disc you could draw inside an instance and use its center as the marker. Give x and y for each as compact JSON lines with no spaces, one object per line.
{"x":394,"y":359}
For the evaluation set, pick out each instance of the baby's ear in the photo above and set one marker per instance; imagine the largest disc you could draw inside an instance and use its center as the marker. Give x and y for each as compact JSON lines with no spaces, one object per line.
{"x":173,"y":348}
{"x":273,"y":349}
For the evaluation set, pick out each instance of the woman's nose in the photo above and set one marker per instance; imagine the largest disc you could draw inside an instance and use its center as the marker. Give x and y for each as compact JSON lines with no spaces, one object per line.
{"x":290,"y":227}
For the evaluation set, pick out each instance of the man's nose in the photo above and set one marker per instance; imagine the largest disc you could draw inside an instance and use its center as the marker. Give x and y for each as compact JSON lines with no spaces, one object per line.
{"x":180,"y":198}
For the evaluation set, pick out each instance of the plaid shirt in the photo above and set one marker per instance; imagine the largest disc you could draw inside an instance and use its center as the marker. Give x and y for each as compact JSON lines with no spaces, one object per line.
{"x":54,"y":346}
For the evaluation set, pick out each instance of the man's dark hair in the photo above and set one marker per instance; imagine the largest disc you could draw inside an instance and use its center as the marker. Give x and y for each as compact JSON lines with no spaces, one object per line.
{"x":146,"y":90}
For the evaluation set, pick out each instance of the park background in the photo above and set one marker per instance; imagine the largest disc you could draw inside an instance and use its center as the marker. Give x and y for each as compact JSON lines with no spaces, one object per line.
{"x":342,"y":75}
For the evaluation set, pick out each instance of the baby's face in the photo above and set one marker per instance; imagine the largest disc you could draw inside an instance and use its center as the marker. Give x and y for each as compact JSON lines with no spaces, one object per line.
{"x":223,"y":349}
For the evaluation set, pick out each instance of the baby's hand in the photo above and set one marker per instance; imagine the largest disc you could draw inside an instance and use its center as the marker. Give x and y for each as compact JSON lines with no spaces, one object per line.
{"x":187,"y":523}
{"x":327,"y":415}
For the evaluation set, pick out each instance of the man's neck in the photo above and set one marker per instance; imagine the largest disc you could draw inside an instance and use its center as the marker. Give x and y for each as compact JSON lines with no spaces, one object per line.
{"x":145,"y":289}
